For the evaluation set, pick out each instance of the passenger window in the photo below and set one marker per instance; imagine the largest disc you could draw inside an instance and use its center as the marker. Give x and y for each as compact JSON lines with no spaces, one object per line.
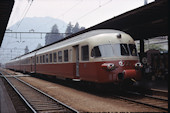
{"x":54,"y":57}
{"x":43,"y":58}
{"x":65,"y":55}
{"x":85,"y":53}
{"x":50,"y":57}
{"x":60,"y":56}
{"x":46,"y":58}
{"x":40,"y":59}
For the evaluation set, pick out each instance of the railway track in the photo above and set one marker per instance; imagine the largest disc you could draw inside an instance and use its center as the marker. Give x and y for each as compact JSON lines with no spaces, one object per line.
{"x":159,"y":93}
{"x":36,"y":100}
{"x":144,"y":99}
{"x":152,"y":100}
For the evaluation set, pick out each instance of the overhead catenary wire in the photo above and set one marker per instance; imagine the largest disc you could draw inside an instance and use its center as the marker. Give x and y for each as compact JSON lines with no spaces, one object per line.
{"x":41,"y":34}
{"x":24,"y":14}
{"x":67,"y":11}
{"x":93,"y":10}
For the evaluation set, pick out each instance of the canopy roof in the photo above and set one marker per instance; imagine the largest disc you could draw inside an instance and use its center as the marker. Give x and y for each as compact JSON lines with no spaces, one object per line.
{"x":5,"y":11}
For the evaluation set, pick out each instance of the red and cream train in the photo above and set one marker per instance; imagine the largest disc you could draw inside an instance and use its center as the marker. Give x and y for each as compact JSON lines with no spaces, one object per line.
{"x":100,"y":56}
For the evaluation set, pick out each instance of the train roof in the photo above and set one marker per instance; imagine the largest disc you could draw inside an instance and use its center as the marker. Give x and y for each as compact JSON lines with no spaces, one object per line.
{"x":77,"y":39}
{"x":72,"y":41}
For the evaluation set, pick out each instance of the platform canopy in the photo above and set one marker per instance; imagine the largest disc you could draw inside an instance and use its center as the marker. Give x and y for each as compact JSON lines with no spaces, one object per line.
{"x":145,"y":22}
{"x":5,"y":11}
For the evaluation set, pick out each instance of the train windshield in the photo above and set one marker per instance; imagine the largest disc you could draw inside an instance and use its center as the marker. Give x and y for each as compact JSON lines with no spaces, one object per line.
{"x":133,"y":50}
{"x":124,"y":49}
{"x":107,"y":50}
{"x":110,"y":50}
{"x":128,"y":49}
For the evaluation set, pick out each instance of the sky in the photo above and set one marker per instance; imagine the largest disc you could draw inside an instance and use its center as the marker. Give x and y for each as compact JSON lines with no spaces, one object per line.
{"x":86,"y":12}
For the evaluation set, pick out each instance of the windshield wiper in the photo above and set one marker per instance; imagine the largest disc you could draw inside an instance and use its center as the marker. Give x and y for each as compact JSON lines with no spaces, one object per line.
{"x":124,"y":48}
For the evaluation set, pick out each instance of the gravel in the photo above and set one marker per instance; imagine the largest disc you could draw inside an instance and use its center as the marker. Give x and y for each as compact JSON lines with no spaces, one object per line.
{"x":86,"y":102}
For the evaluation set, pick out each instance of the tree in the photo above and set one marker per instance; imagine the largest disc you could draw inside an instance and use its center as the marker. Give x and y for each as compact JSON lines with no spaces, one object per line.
{"x":26,"y":50}
{"x":82,"y":28}
{"x":53,"y":36}
{"x":38,"y":46}
{"x":76,"y":28}
{"x":69,"y":29}
{"x":47,"y":37}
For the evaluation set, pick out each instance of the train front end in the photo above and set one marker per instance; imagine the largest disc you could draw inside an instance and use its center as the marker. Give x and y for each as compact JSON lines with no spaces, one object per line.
{"x":116,"y":59}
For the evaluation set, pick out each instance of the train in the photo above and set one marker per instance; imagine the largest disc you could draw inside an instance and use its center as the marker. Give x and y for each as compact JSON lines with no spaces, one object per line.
{"x":98,"y":56}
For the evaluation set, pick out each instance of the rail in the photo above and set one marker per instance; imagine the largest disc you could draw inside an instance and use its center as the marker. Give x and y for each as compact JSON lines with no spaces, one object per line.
{"x":35,"y":99}
{"x":145,"y":99}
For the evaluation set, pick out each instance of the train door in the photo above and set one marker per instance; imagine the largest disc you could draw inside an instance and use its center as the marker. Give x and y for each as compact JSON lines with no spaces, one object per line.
{"x":33,"y":64}
{"x":76,"y":49}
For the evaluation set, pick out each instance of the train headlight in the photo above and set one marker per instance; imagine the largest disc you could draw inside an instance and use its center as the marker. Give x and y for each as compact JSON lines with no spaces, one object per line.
{"x":121,"y":63}
{"x":138,"y":65}
{"x":108,"y":66}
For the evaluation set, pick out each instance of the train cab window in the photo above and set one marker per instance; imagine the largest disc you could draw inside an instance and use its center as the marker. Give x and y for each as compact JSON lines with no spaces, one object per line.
{"x":96,"y":52}
{"x":60,"y":56}
{"x":128,"y":49}
{"x":65,"y":55}
{"x":54,"y":57}
{"x":133,"y":50}
{"x":46,"y":58}
{"x":106,"y":50}
{"x":50,"y":57}
{"x":124,"y":49}
{"x":40,"y":59}
{"x":43,"y":58}
{"x":85,"y":53}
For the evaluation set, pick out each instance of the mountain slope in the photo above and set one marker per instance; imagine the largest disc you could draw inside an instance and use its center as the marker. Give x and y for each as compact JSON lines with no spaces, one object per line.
{"x":14,"y":43}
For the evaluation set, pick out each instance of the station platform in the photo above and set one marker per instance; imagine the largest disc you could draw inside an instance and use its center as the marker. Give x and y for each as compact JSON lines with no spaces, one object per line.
{"x":6,"y":105}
